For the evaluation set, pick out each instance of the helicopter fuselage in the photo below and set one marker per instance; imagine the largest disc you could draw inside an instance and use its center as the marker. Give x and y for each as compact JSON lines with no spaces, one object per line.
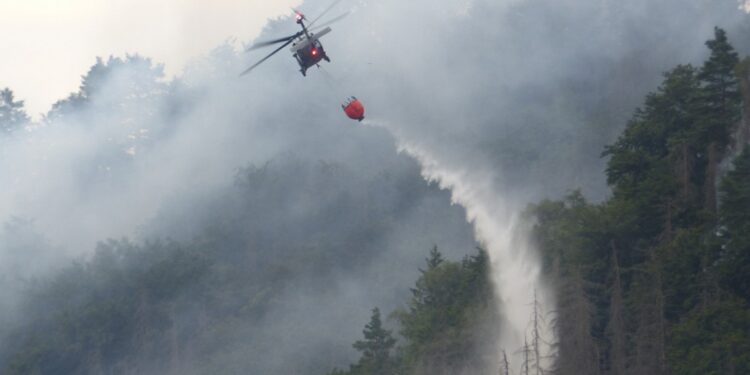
{"x":308,"y":51}
{"x":306,"y":47}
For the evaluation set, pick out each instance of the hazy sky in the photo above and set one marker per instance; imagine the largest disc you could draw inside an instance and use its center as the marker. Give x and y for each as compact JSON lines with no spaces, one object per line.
{"x":48,"y":44}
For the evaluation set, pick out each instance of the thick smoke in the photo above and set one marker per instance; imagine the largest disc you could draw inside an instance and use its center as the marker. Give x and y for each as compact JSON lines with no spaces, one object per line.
{"x":506,"y":102}
{"x":515,"y":265}
{"x":502,"y":102}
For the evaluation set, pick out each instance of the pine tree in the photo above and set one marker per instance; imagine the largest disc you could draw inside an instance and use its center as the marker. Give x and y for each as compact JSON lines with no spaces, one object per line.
{"x":526,"y":353}
{"x":616,"y":324}
{"x":12,"y":114}
{"x":504,"y":364}
{"x":537,"y":344}
{"x":375,"y":348}
{"x":720,"y":102}
{"x":650,"y":164}
{"x":435,"y":259}
{"x":720,"y":97}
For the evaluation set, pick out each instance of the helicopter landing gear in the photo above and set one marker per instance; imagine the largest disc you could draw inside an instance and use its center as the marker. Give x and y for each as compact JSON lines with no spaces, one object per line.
{"x":304,"y":72}
{"x":325,"y":57}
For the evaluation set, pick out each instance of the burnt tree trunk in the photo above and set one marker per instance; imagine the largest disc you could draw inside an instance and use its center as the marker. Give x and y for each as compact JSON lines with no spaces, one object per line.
{"x":685,"y":172}
{"x":650,"y":346}
{"x":505,"y":365}
{"x":616,"y":324}
{"x":709,"y":187}
{"x":578,"y":352}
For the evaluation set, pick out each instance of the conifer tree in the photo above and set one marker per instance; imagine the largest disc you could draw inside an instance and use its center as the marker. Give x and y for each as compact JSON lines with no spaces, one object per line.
{"x":720,"y":92}
{"x":12,"y":114}
{"x":719,"y":108}
{"x":435,"y":259}
{"x":616,"y":324}
{"x":504,"y":364}
{"x":651,"y":164}
{"x":375,"y":348}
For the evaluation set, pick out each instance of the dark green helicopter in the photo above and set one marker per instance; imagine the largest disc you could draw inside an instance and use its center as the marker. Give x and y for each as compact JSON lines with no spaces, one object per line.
{"x":306,"y":47}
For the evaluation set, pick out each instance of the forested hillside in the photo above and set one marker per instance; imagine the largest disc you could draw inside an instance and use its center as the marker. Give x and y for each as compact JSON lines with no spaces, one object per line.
{"x":654,"y":280}
{"x":224,"y":300}
{"x":446,"y":326}
{"x":245,"y":226}
{"x":291,"y":248}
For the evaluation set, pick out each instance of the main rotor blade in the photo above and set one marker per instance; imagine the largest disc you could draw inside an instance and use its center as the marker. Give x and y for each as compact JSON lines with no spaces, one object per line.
{"x":332,"y":20}
{"x":266,"y":58}
{"x":335,"y":2}
{"x":270,"y":42}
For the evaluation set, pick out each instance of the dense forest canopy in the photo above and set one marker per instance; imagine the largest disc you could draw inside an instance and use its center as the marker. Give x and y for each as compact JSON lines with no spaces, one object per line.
{"x":651,"y":280}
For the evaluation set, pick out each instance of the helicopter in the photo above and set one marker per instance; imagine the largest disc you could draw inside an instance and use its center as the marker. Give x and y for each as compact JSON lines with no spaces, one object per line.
{"x":306,"y":47}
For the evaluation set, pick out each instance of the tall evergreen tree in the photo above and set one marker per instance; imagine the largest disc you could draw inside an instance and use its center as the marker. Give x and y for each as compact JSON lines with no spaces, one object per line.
{"x":720,"y":103}
{"x":678,"y":301}
{"x":616,"y":325}
{"x":435,"y":258}
{"x":375,"y":348}
{"x":12,"y":114}
{"x":650,"y":164}
{"x":720,"y":97}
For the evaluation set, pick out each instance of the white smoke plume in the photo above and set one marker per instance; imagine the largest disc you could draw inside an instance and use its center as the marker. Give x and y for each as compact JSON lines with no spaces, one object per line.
{"x":502,"y":102}
{"x":515,"y":264}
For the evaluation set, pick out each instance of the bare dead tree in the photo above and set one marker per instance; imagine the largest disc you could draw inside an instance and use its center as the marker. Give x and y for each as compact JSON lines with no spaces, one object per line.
{"x":537,"y":341}
{"x":709,"y":187}
{"x":649,"y":338}
{"x":526,"y":353}
{"x":577,"y":350}
{"x":505,"y":364}
{"x":616,"y":325}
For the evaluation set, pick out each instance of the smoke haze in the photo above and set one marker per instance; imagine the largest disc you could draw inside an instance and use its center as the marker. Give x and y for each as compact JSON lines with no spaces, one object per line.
{"x":54,"y":42}
{"x":501,"y":102}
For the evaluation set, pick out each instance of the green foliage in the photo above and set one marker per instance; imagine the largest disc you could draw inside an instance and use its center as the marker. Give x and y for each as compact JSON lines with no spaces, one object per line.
{"x":572,"y":231}
{"x":720,"y":96}
{"x":435,"y":259}
{"x":441,"y":296}
{"x":449,"y":302}
{"x":89,"y":315}
{"x":682,"y":263}
{"x":656,"y":156}
{"x":735,"y":219}
{"x":665,"y":285}
{"x":713,"y":341}
{"x":735,"y":199}
{"x":202,"y":305}
{"x":375,"y":349}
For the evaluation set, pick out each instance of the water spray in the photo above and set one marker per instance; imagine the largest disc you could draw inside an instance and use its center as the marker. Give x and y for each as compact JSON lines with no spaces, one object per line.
{"x":515,"y":264}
